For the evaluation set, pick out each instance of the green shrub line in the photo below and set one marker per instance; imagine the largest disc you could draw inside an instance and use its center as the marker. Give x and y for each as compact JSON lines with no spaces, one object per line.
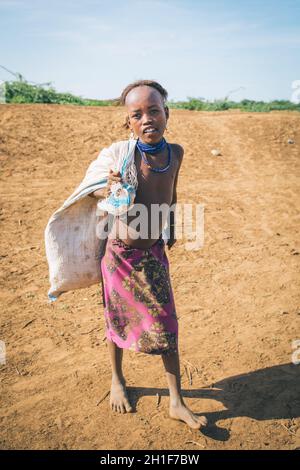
{"x":195,"y":104}
{"x":23,"y":92}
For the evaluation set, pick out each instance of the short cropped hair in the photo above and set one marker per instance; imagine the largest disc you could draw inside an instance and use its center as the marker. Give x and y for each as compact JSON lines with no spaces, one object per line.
{"x":152,"y":83}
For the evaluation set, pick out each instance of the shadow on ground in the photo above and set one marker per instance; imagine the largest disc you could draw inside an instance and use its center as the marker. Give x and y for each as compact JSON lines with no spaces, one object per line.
{"x":271,"y":393}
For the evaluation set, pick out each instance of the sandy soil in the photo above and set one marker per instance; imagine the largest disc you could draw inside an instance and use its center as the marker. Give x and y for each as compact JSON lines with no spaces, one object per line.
{"x":237,"y":298}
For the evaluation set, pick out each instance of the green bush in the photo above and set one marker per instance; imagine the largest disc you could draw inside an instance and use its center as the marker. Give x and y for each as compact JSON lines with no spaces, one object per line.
{"x":23,"y":92}
{"x":196,"y":104}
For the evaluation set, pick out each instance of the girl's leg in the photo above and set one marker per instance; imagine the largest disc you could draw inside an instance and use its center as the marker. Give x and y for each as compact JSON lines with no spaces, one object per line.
{"x":118,"y":395}
{"x":178,"y":409}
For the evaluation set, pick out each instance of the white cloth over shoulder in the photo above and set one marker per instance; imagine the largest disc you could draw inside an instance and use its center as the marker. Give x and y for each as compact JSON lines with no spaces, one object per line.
{"x":74,"y":239}
{"x":73,"y":247}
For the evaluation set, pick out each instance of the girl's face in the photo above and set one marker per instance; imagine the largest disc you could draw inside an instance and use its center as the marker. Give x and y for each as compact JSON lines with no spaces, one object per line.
{"x":147,"y":115}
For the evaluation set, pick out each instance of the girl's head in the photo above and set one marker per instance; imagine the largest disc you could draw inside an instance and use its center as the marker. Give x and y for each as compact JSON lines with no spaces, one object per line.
{"x":148,"y":113}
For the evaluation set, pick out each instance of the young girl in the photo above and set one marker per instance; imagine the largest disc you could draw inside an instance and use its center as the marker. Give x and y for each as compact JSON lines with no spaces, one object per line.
{"x":138,"y":299}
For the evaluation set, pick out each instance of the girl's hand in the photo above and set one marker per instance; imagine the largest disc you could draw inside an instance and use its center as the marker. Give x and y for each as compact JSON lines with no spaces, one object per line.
{"x":113,"y":177}
{"x":171,"y":242}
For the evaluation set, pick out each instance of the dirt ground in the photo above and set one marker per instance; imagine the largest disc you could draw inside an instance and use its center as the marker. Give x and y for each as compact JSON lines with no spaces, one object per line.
{"x":237,"y":298}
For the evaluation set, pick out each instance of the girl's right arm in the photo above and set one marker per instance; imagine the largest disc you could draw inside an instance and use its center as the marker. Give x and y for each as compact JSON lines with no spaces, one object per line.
{"x":98,"y":193}
{"x":113,"y":177}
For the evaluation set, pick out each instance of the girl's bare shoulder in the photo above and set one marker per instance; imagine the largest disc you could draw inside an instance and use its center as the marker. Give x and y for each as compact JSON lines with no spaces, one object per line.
{"x":178,"y":151}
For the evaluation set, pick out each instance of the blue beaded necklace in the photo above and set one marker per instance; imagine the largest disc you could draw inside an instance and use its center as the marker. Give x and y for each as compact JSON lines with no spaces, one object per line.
{"x":152,"y":150}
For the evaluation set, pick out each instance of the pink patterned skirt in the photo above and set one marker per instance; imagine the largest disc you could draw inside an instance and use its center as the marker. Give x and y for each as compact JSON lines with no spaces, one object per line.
{"x":139,"y":306}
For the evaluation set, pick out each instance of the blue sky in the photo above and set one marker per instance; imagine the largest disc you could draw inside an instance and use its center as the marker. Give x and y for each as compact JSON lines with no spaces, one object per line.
{"x":94,"y":48}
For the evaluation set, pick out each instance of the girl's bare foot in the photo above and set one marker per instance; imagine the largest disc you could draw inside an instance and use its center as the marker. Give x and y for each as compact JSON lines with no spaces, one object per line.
{"x":181,"y":412}
{"x":118,"y":396}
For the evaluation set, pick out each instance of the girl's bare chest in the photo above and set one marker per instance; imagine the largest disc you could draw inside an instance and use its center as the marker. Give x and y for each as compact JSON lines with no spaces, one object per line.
{"x":152,"y":181}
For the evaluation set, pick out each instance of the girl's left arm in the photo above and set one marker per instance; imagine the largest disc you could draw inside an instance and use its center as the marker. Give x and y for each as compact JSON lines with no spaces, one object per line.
{"x":172,"y":240}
